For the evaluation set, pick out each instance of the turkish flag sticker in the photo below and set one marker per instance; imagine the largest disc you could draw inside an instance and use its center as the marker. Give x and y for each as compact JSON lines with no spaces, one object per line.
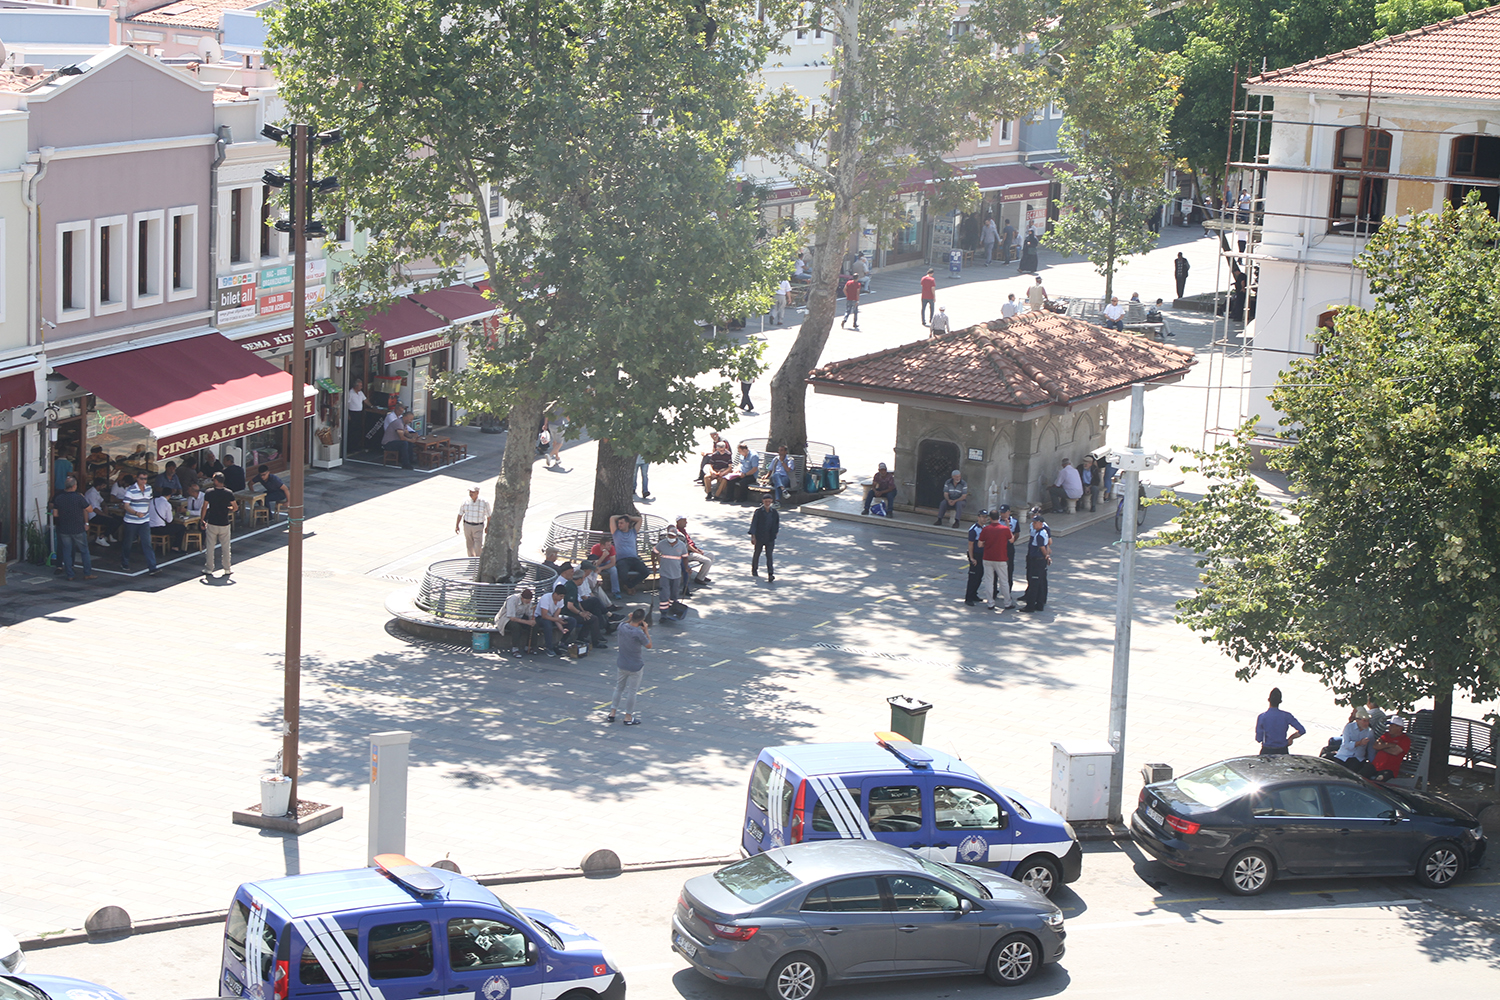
{"x":601,"y":970}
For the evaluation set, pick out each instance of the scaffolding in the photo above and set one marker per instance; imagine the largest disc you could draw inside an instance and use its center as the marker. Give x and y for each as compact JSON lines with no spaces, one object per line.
{"x":1237,"y":267}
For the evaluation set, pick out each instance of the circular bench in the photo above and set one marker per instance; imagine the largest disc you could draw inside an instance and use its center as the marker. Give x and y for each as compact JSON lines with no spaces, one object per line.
{"x":450,"y":601}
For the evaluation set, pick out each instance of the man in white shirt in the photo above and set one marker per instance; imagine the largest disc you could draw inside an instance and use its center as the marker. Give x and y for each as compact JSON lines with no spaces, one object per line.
{"x":161,"y":520}
{"x":1067,"y":489}
{"x":107,"y":525}
{"x":1359,"y":741}
{"x":354,"y":430}
{"x":473,"y":520}
{"x":556,"y":626}
{"x":783,"y":297}
{"x":1011,"y":307}
{"x":515,"y":616}
{"x":1114,"y":314}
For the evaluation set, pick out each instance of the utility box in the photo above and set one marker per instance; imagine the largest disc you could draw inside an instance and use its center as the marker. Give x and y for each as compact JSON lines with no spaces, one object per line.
{"x":909,"y":717}
{"x":1080,"y":779}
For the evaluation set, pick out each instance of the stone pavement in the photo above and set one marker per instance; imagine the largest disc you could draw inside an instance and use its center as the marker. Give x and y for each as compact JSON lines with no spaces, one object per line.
{"x":179,"y":682}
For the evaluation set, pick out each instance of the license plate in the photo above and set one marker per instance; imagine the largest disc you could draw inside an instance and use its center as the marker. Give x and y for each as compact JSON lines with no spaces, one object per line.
{"x":688,"y":948}
{"x":1156,"y":817}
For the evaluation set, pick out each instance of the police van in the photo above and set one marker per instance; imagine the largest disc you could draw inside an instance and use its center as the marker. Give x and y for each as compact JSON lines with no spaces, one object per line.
{"x":398,"y":931}
{"x":920,"y":799}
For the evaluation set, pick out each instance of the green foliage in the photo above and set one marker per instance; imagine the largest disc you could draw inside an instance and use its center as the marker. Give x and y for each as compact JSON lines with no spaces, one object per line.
{"x":1119,"y":99}
{"x":1393,"y":17}
{"x":1381,"y":575}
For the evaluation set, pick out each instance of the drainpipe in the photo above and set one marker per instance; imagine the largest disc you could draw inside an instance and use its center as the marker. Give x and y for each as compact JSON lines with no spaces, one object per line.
{"x":32,"y":172}
{"x":221,"y":150}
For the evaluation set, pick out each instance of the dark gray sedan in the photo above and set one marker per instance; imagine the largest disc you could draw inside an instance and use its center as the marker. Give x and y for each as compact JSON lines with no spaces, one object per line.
{"x":796,"y":918}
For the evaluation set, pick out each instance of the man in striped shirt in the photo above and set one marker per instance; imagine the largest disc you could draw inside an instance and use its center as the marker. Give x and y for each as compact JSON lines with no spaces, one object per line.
{"x":473,"y":519}
{"x":137,"y":526}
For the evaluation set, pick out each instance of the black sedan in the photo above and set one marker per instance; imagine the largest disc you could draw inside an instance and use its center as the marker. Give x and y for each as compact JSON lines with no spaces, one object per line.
{"x":795,"y":918}
{"x":1251,"y":820}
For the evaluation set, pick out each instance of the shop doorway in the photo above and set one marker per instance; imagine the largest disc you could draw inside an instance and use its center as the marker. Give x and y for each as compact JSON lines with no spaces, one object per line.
{"x":936,"y":461}
{"x":437,"y":406}
{"x":10,"y":464}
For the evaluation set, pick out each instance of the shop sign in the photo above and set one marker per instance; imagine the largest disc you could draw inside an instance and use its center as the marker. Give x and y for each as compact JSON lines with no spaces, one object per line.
{"x":282,"y":338}
{"x":282,"y":277}
{"x":1036,"y":191}
{"x":416,"y":348}
{"x":281,"y":302}
{"x":228,"y":430}
{"x":236,"y":298}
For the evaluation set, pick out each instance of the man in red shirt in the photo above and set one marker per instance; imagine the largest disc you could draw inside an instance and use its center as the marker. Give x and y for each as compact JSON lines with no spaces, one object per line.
{"x":929,"y":296}
{"x":851,"y":302}
{"x":1389,"y":751}
{"x":996,"y":539}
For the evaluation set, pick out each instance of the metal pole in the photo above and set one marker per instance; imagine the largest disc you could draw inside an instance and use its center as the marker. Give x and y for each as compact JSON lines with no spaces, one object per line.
{"x":292,"y":661}
{"x":1124,"y":600}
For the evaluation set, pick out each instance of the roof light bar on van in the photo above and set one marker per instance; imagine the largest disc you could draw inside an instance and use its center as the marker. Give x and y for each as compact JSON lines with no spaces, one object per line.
{"x":905,"y":751}
{"x":408,"y":874}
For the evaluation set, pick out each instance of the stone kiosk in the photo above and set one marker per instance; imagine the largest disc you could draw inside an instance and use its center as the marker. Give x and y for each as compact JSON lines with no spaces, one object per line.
{"x":1002,"y":401}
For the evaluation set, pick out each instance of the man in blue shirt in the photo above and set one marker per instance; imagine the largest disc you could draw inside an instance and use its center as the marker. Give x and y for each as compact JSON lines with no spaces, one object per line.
{"x":1271,"y":727}
{"x":627,"y":553}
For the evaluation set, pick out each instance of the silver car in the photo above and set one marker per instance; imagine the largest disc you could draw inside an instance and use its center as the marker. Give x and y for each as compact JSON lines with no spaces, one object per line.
{"x":796,"y":918}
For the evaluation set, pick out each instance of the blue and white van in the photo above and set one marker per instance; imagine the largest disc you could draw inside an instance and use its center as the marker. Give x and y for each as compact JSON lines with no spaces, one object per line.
{"x":399,"y":931}
{"x":920,"y":799}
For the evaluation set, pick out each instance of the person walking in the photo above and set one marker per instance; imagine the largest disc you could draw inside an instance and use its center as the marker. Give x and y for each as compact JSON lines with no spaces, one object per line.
{"x":1007,"y":241}
{"x":940,"y":322}
{"x":643,"y":470}
{"x":976,"y":558}
{"x":70,"y":516}
{"x":1180,"y":268}
{"x":1036,"y":296}
{"x":473,"y":520}
{"x":219,"y":505}
{"x":988,"y":237}
{"x":764,"y":524}
{"x":633,"y":638}
{"x":746,"y":404}
{"x":929,"y":296}
{"x":1271,"y":726}
{"x":851,"y":303}
{"x":1038,"y":558}
{"x":137,"y":526}
{"x":1029,"y":253}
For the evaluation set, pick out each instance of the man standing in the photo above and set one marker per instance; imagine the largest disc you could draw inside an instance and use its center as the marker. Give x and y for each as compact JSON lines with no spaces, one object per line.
{"x":643,"y":470}
{"x":1011,"y":307}
{"x":473,"y":520}
{"x":1007,"y":240}
{"x":1089,"y":474}
{"x":976,"y":558}
{"x":62,"y":468}
{"x":884,"y":487}
{"x":137,"y":526}
{"x":354,"y":419}
{"x":851,"y":303}
{"x":1114,"y":315}
{"x":1180,"y":268}
{"x":929,"y":295}
{"x":955,"y":492}
{"x":783,"y":297}
{"x":764,"y":524}
{"x":940,"y":323}
{"x":1038,"y":558}
{"x":627,"y":553}
{"x":1271,"y":726}
{"x":697,"y":561}
{"x":1009,"y":519}
{"x":1067,"y":489}
{"x":988,"y":237}
{"x":670,"y":550}
{"x":219,"y":505}
{"x":994,"y":542}
{"x":862,"y":271}
{"x":634,"y":637}
{"x":1036,"y":295}
{"x":70,"y":516}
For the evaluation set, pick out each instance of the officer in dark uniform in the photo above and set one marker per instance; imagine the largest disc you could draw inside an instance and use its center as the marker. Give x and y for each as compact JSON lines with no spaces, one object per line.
{"x":1038,"y":558}
{"x":976,"y":558}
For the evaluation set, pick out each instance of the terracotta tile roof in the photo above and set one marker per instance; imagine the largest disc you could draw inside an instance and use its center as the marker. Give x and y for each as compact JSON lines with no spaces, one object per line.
{"x":1032,"y":361}
{"x":1454,"y":58}
{"x":191,"y":13}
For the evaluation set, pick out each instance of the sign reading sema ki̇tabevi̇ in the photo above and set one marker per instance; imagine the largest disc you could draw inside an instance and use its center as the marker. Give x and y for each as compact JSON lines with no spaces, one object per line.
{"x":228,"y":430}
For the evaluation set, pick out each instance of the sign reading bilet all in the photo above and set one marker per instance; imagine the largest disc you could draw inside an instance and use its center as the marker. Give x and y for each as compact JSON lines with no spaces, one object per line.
{"x":235,"y":299}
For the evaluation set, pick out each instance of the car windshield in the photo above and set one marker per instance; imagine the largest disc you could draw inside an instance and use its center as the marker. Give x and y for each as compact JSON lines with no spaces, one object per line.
{"x":953,"y":876}
{"x":526,"y":921}
{"x":1213,"y":785}
{"x":756,"y":879}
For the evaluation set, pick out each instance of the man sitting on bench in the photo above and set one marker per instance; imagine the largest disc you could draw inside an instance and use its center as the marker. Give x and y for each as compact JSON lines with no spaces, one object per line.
{"x":1389,"y":751}
{"x":627,"y":555}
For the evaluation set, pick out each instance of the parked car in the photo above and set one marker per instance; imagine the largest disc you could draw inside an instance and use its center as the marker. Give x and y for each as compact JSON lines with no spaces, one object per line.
{"x":926,"y":801}
{"x":400,"y":931}
{"x":12,"y":958}
{"x":793,"y":919}
{"x":34,"y":987}
{"x":1251,"y":820}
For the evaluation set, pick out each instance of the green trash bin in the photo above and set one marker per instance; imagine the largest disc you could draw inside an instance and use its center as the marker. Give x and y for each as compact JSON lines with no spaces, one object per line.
{"x":909,"y":717}
{"x":481,"y":642}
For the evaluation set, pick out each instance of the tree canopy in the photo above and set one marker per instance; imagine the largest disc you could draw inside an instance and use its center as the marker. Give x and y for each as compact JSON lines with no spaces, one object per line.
{"x":1381,"y":575}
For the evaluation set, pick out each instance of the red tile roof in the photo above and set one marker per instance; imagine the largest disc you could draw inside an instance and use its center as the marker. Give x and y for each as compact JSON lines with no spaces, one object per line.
{"x":1454,"y":58}
{"x":191,"y":13}
{"x":1032,"y":361}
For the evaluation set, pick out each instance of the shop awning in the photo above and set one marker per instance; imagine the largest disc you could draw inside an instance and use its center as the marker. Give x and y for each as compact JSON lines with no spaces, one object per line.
{"x":18,"y":382}
{"x":406,"y":330}
{"x":457,"y":304}
{"x":192,"y":393}
{"x":1008,"y":176}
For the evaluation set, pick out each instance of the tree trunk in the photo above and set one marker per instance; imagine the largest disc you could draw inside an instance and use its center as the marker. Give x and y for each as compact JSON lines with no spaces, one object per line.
{"x":500,"y":560}
{"x":614,"y":486}
{"x":1109,"y":251}
{"x":1441,"y":737}
{"x":789,"y":384}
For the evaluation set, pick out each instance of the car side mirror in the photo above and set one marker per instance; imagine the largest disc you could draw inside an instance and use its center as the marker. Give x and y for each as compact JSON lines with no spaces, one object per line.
{"x":965,"y":906}
{"x":530,"y":952}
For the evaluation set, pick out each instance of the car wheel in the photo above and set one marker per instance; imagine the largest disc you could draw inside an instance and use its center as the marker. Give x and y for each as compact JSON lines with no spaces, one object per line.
{"x":1040,"y":873}
{"x":1440,"y":865}
{"x":796,"y":977}
{"x":1249,"y":873}
{"x":1015,"y":959}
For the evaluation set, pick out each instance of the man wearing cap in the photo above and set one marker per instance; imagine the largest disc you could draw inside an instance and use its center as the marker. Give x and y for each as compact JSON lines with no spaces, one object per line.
{"x":573,"y":605}
{"x":670,"y":550}
{"x":696,"y":562}
{"x":883,"y":487}
{"x":976,"y":558}
{"x":473,"y":519}
{"x":1271,"y":726}
{"x":1038,"y":558}
{"x":993,"y":541}
{"x":955,"y":492}
{"x":1358,"y":742}
{"x":1389,"y":749}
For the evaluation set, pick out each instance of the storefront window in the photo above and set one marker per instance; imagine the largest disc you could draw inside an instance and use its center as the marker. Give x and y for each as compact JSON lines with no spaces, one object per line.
{"x":127,"y":443}
{"x":265,"y":448}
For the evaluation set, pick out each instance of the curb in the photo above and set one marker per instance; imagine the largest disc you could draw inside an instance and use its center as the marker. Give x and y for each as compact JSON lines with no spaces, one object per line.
{"x":58,"y":939}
